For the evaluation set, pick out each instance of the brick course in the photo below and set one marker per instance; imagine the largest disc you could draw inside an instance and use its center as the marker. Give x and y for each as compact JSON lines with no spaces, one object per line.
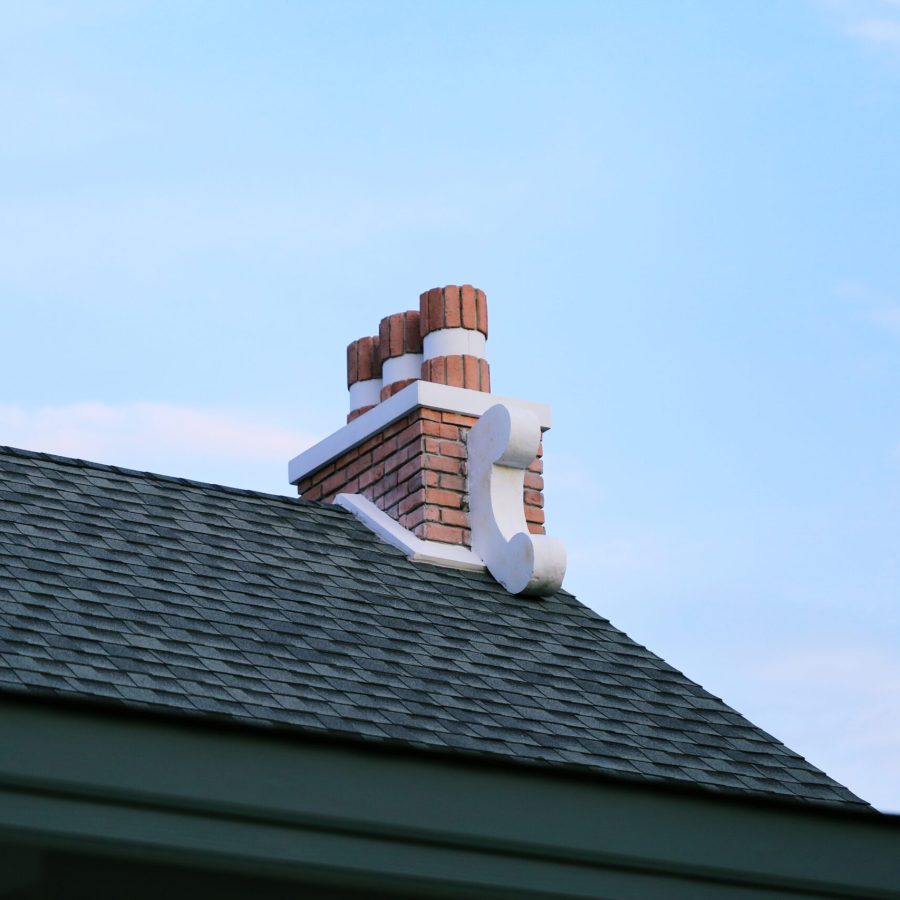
{"x":415,"y":471}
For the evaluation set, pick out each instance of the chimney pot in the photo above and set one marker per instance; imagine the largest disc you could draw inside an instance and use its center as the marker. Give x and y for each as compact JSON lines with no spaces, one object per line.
{"x":363,"y":375}
{"x":401,"y":351}
{"x":454,"y":332}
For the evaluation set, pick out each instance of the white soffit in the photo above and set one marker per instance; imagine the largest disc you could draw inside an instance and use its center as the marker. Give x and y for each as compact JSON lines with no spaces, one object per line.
{"x":420,"y":393}
{"x":396,"y":535}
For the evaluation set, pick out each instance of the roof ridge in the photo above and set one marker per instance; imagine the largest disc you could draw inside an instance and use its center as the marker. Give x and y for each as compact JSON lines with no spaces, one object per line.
{"x":79,"y":463}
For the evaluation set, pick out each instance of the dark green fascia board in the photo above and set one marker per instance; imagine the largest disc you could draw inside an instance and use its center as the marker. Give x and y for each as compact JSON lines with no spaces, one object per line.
{"x":246,"y":800}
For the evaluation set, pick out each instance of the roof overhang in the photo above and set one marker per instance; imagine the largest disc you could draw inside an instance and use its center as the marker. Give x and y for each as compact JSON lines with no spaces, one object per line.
{"x":250,"y":801}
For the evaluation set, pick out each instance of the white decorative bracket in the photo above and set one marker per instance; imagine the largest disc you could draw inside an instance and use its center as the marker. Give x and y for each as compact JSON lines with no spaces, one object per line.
{"x":502,"y":444}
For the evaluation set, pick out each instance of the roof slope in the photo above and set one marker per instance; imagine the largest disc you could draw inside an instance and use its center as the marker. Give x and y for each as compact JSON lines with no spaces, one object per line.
{"x":166,"y":593}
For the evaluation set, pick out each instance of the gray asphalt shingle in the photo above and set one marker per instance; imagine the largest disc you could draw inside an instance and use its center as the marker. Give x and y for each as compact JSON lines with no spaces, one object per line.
{"x":170,"y":594}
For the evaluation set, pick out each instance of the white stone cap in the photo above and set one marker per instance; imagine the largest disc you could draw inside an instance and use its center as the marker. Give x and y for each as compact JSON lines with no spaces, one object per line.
{"x":420,"y":393}
{"x":452,"y":555}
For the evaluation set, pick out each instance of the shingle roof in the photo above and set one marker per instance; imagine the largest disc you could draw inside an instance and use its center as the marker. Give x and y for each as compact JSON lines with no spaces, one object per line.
{"x":165,"y":593}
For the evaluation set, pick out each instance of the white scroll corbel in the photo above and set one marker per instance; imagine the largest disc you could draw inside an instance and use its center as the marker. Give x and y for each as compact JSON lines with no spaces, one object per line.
{"x":502,"y":444}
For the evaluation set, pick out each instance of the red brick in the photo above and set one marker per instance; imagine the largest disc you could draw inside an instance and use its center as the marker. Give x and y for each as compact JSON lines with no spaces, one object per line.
{"x":448,"y":432}
{"x":536,"y":529}
{"x":481,"y":311}
{"x":411,"y":433}
{"x":534,"y":515}
{"x":435,"y":310}
{"x":358,"y":465}
{"x":384,"y":339}
{"x":423,"y":314}
{"x":411,"y":501}
{"x":395,"y":428}
{"x":394,"y":462}
{"x":369,"y":364}
{"x":375,"y":356}
{"x":371,"y":475}
{"x":320,"y":474}
{"x":356,"y":413}
{"x":385,"y":449}
{"x":432,"y":445}
{"x":452,"y":448}
{"x":448,"y":534}
{"x":470,"y":372}
{"x":395,"y":495}
{"x":533,"y":482}
{"x":370,"y":444}
{"x":454,"y":371}
{"x":452,"y":317}
{"x":424,"y":478}
{"x":450,"y":418}
{"x":534,"y":498}
{"x":397,"y":334}
{"x":357,"y":462}
{"x":333,"y":484}
{"x":409,"y":469}
{"x":485,"y":377}
{"x":536,"y":465}
{"x":412,"y":338}
{"x":451,"y":482}
{"x":435,"y":370}
{"x":454,"y":517}
{"x":419,"y":515}
{"x":414,"y":448}
{"x":312,"y":493}
{"x":439,"y":497}
{"x":468,"y":306}
{"x":443,"y":464}
{"x":352,"y":363}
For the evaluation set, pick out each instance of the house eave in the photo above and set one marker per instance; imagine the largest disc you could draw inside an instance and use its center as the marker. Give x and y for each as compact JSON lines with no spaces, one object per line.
{"x":242,"y":801}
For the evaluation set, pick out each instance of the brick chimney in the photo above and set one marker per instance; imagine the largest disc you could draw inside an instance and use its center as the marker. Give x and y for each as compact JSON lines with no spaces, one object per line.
{"x":416,"y":390}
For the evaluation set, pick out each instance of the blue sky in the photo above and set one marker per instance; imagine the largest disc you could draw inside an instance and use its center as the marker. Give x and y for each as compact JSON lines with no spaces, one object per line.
{"x":686,"y":217}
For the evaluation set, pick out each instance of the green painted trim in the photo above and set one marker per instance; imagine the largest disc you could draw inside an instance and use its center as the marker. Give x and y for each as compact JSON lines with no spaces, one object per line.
{"x":249,"y":802}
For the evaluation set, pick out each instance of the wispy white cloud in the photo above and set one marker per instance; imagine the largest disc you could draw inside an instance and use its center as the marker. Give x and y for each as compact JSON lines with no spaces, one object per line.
{"x":158,"y":436}
{"x":874,"y":22}
{"x":881,"y":32}
{"x":888,"y":318}
{"x":882,"y":308}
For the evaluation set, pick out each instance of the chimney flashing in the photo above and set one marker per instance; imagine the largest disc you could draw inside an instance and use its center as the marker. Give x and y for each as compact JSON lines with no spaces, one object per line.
{"x":449,"y":555}
{"x":433,"y":395}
